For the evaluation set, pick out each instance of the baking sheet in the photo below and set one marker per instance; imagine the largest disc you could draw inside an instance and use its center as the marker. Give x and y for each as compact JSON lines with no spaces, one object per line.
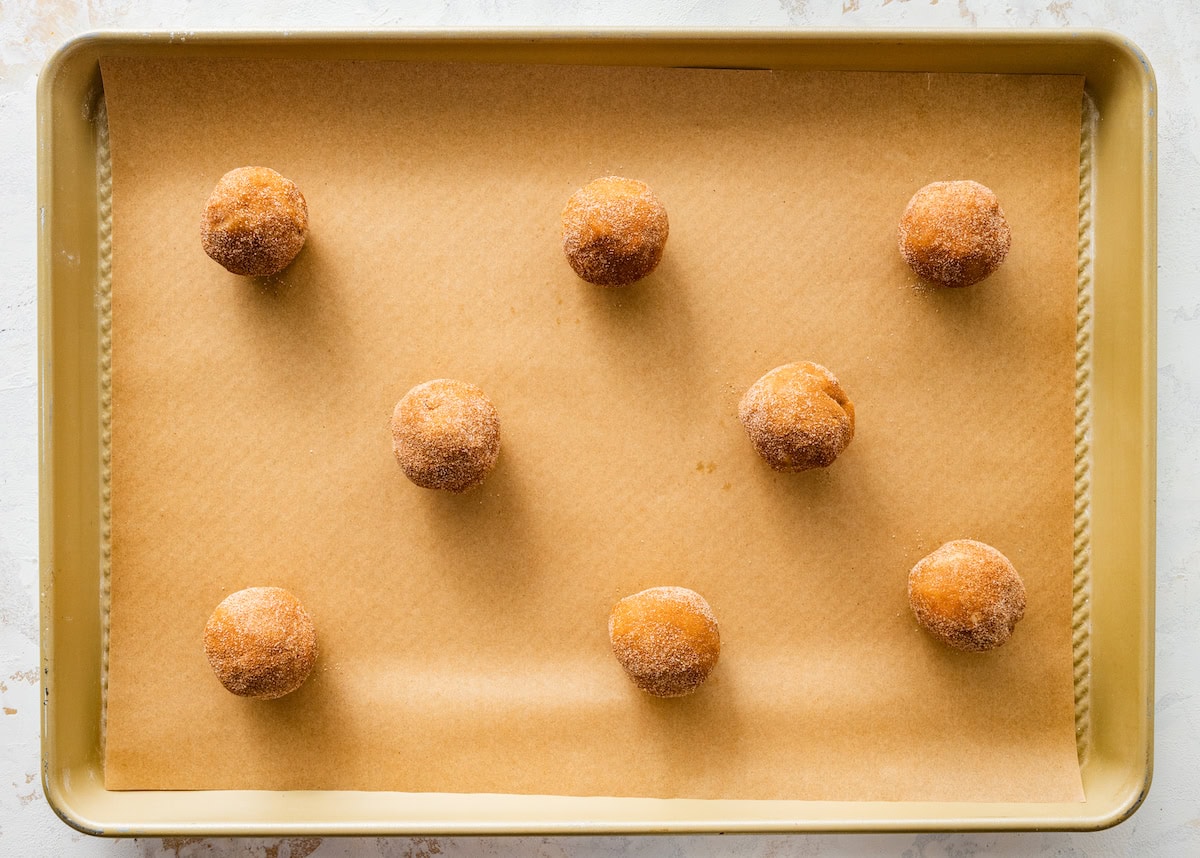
{"x":463,"y":638}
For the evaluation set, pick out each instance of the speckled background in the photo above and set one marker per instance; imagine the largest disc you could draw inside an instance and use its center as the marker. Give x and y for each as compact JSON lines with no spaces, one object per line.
{"x":1168,"y":823}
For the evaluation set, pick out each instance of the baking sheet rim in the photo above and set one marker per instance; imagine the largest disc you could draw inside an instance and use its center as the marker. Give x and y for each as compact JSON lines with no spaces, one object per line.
{"x":72,"y":47}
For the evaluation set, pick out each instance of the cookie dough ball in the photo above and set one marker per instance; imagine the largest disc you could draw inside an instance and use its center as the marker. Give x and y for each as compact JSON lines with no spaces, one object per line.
{"x":446,"y":435}
{"x":261,"y":643}
{"x":798,"y":417}
{"x":255,"y":222}
{"x":666,"y":638}
{"x":954,"y":233}
{"x":967,"y":594}
{"x":614,"y":231}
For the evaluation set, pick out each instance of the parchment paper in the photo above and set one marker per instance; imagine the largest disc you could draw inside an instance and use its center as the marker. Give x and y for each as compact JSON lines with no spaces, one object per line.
{"x":463,"y":638}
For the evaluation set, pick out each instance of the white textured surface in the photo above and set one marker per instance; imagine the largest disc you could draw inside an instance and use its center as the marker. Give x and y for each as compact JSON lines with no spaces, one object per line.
{"x":1168,"y":824}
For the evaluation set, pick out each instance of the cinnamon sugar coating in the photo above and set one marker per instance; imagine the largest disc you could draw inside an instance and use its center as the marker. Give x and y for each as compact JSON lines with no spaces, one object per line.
{"x":260,"y":642}
{"x":798,"y":417}
{"x":967,"y":594}
{"x":446,"y":435}
{"x":954,"y":233}
{"x":255,"y":222}
{"x":666,"y":639}
{"x":614,"y":231}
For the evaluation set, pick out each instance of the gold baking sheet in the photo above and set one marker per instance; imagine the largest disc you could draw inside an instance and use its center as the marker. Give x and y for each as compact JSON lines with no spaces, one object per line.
{"x":464,"y":644}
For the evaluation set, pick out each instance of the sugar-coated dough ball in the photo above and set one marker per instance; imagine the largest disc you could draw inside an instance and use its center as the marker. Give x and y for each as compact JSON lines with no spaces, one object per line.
{"x":798,"y":417}
{"x":261,"y":643}
{"x":614,"y":231}
{"x":954,"y":233}
{"x":967,"y":594}
{"x":666,"y":639}
{"x":446,"y":435}
{"x":255,"y":222}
